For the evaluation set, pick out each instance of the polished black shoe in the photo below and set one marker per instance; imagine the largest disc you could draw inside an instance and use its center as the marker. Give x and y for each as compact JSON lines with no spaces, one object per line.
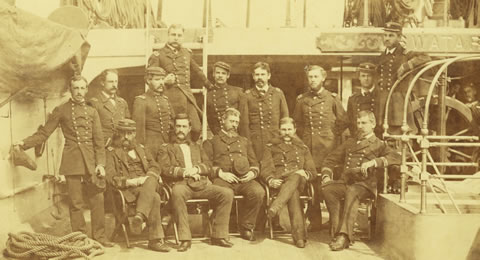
{"x":221,"y":242}
{"x":184,"y":246}
{"x":300,"y":243}
{"x":106,"y":243}
{"x":136,"y":224}
{"x":247,"y":235}
{"x":340,"y":243}
{"x":158,"y":246}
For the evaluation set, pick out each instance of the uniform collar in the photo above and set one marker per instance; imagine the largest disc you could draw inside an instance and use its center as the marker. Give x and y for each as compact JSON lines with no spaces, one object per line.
{"x":106,"y":96}
{"x":265,"y":88}
{"x":77,"y":103}
{"x":366,"y":92}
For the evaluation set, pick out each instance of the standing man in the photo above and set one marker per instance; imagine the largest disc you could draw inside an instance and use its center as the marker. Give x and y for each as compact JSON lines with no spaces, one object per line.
{"x":236,"y":167}
{"x":110,"y":107}
{"x":357,"y":154}
{"x":286,"y":166}
{"x":392,"y":64}
{"x":223,"y":96}
{"x":153,"y":113}
{"x":266,"y":105}
{"x":320,"y":118}
{"x":369,"y":98}
{"x":187,"y":165}
{"x":131,"y":168}
{"x":83,"y":157}
{"x":179,"y":63}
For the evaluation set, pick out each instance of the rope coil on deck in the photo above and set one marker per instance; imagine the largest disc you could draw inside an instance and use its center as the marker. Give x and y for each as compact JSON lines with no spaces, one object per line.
{"x":30,"y":245}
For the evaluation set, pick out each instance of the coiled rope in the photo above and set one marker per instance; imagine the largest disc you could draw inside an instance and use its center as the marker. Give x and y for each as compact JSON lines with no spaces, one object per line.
{"x":30,"y":245}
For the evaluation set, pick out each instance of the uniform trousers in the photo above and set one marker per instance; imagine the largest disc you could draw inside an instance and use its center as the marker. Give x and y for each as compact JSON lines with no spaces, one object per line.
{"x":220,"y":199}
{"x":342,"y":219}
{"x":253,"y":198}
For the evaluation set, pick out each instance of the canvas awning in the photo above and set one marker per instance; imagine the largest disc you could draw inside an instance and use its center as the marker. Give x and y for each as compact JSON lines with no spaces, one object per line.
{"x":35,"y":53}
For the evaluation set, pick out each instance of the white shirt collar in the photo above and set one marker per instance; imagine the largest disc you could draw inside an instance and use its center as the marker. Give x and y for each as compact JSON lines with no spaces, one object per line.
{"x":364,"y":92}
{"x":264,"y":88}
{"x":390,"y":51}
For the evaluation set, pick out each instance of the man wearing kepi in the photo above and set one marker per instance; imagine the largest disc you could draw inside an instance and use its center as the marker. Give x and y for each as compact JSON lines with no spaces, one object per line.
{"x":188,"y":167}
{"x":110,"y":107}
{"x":392,"y":64}
{"x":369,"y":98}
{"x":153,"y":113}
{"x":83,"y":157}
{"x":286,"y":166}
{"x":266,"y":105}
{"x":358,"y":155}
{"x":223,"y":96}
{"x":131,"y":168}
{"x":178,"y":62}
{"x":320,"y":118}
{"x":236,"y":167}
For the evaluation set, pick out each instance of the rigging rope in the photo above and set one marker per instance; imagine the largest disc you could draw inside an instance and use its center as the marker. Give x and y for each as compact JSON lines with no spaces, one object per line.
{"x":29,"y":245}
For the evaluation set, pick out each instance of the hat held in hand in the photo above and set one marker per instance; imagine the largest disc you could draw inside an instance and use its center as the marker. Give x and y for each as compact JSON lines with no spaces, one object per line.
{"x":20,"y":158}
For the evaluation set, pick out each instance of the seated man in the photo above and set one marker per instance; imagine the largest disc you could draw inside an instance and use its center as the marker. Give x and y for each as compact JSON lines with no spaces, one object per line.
{"x":358,"y":154}
{"x":131,"y":168}
{"x":187,"y":165}
{"x":236,"y":167}
{"x":286,"y":166}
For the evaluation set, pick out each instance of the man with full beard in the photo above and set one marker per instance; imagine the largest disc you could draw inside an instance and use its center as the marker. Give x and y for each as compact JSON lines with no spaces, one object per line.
{"x":187,"y":166}
{"x":266,"y":105}
{"x":320,"y":118}
{"x":236,"y":167}
{"x":110,"y":107}
{"x":131,"y":168}
{"x":286,"y":166}
{"x":153,"y":113}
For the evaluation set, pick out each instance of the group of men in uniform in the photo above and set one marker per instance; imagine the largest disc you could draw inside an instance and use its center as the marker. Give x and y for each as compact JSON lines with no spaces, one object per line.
{"x":255,"y":141}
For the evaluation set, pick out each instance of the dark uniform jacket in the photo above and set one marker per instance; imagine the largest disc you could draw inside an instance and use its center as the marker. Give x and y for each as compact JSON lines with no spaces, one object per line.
{"x":351,"y":154}
{"x":264,"y":114}
{"x":180,"y":63}
{"x":221,"y":98}
{"x":173,"y":162}
{"x":153,"y":112}
{"x":109,"y":114}
{"x":319,"y":119}
{"x":118,"y":169}
{"x":281,"y":160}
{"x":387,"y":68}
{"x":224,"y":150}
{"x":373,"y":101}
{"x":84,"y":148}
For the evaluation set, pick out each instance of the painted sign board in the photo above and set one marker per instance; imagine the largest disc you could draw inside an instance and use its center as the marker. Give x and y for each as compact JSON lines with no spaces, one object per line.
{"x":448,"y":41}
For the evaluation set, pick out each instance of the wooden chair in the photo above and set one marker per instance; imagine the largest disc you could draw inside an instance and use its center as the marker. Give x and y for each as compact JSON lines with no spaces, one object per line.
{"x":307,"y":198}
{"x":124,"y":210}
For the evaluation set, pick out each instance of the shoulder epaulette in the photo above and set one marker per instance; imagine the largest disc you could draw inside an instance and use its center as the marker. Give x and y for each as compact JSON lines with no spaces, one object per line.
{"x":334,"y":94}
{"x":141,"y":145}
{"x":156,"y":53}
{"x":141,"y":96}
{"x":165,"y":144}
{"x":277,"y":89}
{"x":109,"y":148}
{"x":94,"y":99}
{"x":247,"y":91}
{"x":300,"y":96}
{"x":189,"y":50}
{"x":269,"y":144}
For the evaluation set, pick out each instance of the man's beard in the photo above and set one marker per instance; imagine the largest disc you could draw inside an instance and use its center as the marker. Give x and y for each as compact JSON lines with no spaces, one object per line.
{"x":260,"y":83}
{"x":129,"y":144}
{"x":158,"y":90}
{"x":232,"y":131}
{"x":287,"y":138}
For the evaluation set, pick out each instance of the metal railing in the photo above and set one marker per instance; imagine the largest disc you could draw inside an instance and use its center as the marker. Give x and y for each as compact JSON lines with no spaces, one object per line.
{"x":425,"y":140}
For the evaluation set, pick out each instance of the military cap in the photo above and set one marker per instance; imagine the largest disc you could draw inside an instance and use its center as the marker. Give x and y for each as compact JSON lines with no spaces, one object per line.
{"x":126,"y":125}
{"x":241,"y":166}
{"x":367,"y":67}
{"x":181,"y":116}
{"x":222,"y":65}
{"x":20,"y":158}
{"x":156,"y":71}
{"x":393,"y":27}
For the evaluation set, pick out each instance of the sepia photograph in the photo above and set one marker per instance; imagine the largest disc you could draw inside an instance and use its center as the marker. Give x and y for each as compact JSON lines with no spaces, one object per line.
{"x":240,"y":129}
